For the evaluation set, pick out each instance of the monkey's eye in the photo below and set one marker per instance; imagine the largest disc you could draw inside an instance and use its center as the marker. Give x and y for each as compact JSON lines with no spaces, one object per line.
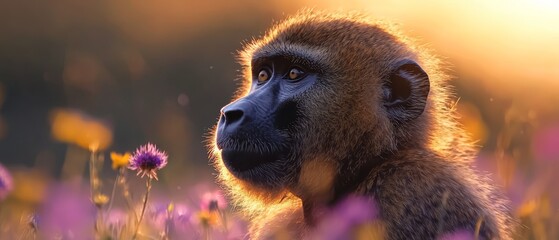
{"x":295,"y":74}
{"x":263,"y":76}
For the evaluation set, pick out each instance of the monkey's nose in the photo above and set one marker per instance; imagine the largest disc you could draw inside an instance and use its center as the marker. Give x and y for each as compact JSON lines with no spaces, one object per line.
{"x":236,"y":116}
{"x":231,"y":116}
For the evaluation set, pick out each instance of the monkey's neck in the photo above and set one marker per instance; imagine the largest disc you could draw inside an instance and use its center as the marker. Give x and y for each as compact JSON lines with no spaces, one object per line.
{"x":353,"y":171}
{"x":351,"y":174}
{"x":313,"y":211}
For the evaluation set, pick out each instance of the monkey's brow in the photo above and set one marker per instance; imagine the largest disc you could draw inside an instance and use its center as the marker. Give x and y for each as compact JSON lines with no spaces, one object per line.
{"x":314,"y":59}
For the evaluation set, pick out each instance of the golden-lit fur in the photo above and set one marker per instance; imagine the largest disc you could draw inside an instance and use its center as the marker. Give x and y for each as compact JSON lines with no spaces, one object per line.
{"x":432,"y":152}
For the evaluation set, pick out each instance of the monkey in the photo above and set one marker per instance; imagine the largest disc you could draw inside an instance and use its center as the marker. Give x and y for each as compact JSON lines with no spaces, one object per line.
{"x":336,"y":104}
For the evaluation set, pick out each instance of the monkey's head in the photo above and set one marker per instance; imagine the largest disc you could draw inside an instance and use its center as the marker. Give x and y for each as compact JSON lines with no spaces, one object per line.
{"x":321,"y":93}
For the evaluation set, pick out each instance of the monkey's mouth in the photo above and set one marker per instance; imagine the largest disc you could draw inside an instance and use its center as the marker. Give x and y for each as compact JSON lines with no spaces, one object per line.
{"x":240,"y":161}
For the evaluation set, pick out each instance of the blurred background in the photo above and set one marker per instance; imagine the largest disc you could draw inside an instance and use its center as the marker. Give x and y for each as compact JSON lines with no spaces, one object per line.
{"x":113,"y":75}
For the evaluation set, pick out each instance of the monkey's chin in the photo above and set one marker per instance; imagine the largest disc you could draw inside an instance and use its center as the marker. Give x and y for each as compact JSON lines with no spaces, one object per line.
{"x":239,"y":162}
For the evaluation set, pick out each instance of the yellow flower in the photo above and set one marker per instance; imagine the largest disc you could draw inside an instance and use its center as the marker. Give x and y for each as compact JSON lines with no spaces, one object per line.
{"x":120,"y":160}
{"x":170,"y":207}
{"x":71,"y":126}
{"x":100,"y":200}
{"x":207,"y":218}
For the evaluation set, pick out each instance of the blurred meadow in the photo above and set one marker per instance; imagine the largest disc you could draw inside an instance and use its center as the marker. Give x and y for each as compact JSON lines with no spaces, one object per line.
{"x":82,"y":79}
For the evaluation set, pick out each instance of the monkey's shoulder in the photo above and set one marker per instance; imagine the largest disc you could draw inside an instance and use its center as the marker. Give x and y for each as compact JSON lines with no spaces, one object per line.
{"x":417,"y":171}
{"x":425,"y":195}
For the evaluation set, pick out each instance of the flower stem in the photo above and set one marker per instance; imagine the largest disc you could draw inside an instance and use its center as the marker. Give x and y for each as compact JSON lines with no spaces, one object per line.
{"x":94,"y":182}
{"x":113,"y":194}
{"x":126,"y":193}
{"x":206,"y":233}
{"x":92,"y":174}
{"x":148,"y":188}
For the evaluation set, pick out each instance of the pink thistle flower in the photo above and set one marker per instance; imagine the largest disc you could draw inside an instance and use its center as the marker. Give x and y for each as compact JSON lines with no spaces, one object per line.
{"x":545,"y":144}
{"x":147,"y":159}
{"x":341,"y":221}
{"x":458,"y":235}
{"x":66,"y":213}
{"x":6,"y":184}
{"x":116,"y":218}
{"x":213,"y":201}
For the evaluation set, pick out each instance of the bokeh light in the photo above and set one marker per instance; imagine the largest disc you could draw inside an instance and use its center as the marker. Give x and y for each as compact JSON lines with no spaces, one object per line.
{"x":107,"y":76}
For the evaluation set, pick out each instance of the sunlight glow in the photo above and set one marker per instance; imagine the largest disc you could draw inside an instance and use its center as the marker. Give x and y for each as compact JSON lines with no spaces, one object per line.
{"x":507,"y":46}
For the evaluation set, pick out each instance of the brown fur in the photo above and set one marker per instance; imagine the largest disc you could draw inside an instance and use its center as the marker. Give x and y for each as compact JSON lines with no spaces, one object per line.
{"x":423,"y":184}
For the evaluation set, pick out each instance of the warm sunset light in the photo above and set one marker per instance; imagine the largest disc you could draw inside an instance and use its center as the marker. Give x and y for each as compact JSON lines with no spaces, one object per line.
{"x":134,"y":119}
{"x":507,"y":47}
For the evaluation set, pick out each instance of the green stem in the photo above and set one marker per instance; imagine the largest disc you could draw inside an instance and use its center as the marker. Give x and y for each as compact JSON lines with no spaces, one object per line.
{"x":112,"y":195}
{"x":91,"y":174}
{"x":94,"y":187}
{"x":126,"y":194}
{"x":206,"y":233}
{"x":148,"y":186}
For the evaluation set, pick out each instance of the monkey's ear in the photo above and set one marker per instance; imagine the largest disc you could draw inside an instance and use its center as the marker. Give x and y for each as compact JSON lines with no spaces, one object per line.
{"x":405,"y":91}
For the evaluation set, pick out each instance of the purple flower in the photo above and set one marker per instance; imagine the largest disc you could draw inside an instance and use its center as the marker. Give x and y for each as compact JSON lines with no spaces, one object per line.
{"x":67,"y":213}
{"x":6,"y":184}
{"x":213,"y":201}
{"x":116,"y":218}
{"x":545,"y":144}
{"x":147,"y":159}
{"x":458,"y":235}
{"x":174,"y":219}
{"x":345,"y":217}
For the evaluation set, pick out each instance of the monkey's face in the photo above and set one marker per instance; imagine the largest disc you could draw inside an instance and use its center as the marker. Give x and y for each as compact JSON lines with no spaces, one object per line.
{"x":255,"y":132}
{"x":332,"y":91}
